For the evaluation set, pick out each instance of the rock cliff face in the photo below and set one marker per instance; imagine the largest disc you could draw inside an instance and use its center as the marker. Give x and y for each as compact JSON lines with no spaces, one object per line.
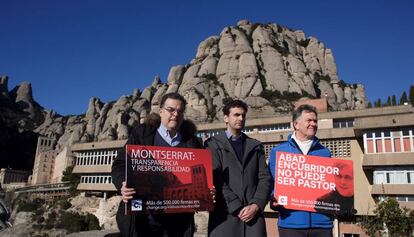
{"x":19,"y":115}
{"x":266,"y":65}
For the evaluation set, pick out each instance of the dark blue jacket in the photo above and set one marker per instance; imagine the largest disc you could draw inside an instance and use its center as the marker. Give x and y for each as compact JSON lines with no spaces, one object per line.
{"x":300,"y":219}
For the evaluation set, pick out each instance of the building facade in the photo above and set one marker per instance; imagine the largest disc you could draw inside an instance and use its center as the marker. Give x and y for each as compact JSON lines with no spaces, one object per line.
{"x":93,"y":162}
{"x":10,"y":179}
{"x":44,"y":161}
{"x":379,"y":141}
{"x":49,"y":163}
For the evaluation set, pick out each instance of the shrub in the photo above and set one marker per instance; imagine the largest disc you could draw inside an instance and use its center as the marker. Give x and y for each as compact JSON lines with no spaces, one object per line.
{"x":72,"y":178}
{"x":30,"y":206}
{"x":74,"y":222}
{"x":318,"y":78}
{"x":92,"y":222}
{"x":304,"y":43}
{"x":211,"y":77}
{"x":342,"y":84}
{"x":65,"y":204}
{"x":71,"y":222}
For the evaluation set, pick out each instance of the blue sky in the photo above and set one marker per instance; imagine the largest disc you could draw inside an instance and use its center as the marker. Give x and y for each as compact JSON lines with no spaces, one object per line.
{"x":73,"y":50}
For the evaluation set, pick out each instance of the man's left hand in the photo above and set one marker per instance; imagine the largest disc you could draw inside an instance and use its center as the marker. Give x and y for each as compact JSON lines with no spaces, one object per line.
{"x":247,"y":213}
{"x":213,"y":194}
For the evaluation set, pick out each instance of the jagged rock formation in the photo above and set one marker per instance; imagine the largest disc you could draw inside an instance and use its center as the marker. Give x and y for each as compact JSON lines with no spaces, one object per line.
{"x":4,"y":91}
{"x":267,"y":65}
{"x":18,"y":106}
{"x":19,"y":115}
{"x":23,"y":99}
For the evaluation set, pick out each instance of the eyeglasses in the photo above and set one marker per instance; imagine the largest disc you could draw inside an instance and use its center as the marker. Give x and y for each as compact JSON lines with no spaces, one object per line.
{"x":172,"y":110}
{"x":345,"y":177}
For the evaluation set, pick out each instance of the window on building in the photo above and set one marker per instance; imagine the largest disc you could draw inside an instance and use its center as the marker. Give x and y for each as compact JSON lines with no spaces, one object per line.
{"x":247,"y":130}
{"x":394,"y":176}
{"x":338,"y":147}
{"x":410,"y":177}
{"x":380,"y":177}
{"x":388,"y":141}
{"x":274,"y":127}
{"x":343,"y":123}
{"x":208,"y":133}
{"x":350,"y":235}
{"x":268,"y":147}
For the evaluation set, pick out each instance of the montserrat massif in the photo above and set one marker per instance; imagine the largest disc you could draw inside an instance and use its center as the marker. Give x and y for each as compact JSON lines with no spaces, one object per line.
{"x":267,"y":65}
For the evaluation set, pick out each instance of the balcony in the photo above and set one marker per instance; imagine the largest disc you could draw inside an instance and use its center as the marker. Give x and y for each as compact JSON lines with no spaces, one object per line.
{"x":392,"y":189}
{"x":388,"y":159}
{"x":96,"y":187}
{"x":386,"y":121}
{"x":409,"y":205}
{"x":91,"y":169}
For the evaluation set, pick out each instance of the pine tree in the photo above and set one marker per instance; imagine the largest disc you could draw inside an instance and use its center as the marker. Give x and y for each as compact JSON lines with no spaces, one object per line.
{"x":412,"y":94}
{"x":403,"y":98}
{"x":394,"y":100}
{"x":73,"y":179}
{"x":369,"y":105}
{"x":379,"y":103}
{"x":389,"y":101}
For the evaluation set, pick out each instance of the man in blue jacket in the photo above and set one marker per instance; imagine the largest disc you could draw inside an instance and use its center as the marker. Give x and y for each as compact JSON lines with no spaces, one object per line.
{"x":302,"y":141}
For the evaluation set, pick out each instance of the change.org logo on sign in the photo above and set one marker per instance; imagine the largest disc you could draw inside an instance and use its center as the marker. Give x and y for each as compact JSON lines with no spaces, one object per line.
{"x":283,"y":200}
{"x":136,"y":205}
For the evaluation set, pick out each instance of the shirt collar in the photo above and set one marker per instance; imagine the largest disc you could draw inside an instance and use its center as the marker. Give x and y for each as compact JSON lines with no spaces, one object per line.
{"x":164,"y":132}
{"x":298,"y":141}
{"x":232,"y":137}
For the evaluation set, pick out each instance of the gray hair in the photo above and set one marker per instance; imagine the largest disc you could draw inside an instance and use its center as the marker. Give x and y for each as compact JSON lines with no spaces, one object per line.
{"x":299,"y":110}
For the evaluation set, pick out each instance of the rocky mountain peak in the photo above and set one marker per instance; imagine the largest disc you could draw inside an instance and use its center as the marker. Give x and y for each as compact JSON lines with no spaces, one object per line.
{"x":23,"y":98}
{"x":268,"y":66}
{"x":4,"y":91}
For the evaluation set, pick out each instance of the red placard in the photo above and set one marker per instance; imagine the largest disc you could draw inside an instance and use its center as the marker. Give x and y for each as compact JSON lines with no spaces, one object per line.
{"x":169,"y":179}
{"x":313,"y":183}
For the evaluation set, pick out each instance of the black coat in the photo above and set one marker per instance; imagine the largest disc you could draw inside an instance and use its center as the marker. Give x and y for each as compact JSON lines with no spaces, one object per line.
{"x":137,"y":224}
{"x":238,"y":185}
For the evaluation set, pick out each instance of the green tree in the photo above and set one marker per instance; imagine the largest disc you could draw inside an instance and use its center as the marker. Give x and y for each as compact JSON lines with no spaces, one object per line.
{"x":378,"y":103}
{"x":372,"y":225}
{"x":389,"y":101}
{"x":389,"y":216}
{"x":393,"y":100}
{"x":73,"y":179}
{"x":369,"y":105}
{"x":403,"y":98}
{"x":412,"y":94}
{"x":75,"y":222}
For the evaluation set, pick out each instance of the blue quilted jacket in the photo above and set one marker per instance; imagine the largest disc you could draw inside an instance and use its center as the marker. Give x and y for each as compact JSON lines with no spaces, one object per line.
{"x":300,"y":219}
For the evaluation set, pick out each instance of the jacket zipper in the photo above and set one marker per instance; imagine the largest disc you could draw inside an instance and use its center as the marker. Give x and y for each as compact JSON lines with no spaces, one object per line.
{"x":310,"y":149}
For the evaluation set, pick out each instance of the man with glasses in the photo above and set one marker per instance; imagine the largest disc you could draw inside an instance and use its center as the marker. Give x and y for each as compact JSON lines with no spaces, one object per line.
{"x":168,"y":129}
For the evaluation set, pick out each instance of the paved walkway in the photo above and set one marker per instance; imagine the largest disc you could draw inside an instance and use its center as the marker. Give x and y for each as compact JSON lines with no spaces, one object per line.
{"x":108,"y":233}
{"x":95,"y":233}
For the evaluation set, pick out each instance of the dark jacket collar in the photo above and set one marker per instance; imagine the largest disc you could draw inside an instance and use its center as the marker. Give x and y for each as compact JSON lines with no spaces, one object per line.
{"x":223,"y":142}
{"x":144,"y":133}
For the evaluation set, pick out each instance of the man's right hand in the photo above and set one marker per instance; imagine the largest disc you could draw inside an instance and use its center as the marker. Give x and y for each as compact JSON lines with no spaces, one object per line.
{"x":273,"y":204}
{"x":127,"y":193}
